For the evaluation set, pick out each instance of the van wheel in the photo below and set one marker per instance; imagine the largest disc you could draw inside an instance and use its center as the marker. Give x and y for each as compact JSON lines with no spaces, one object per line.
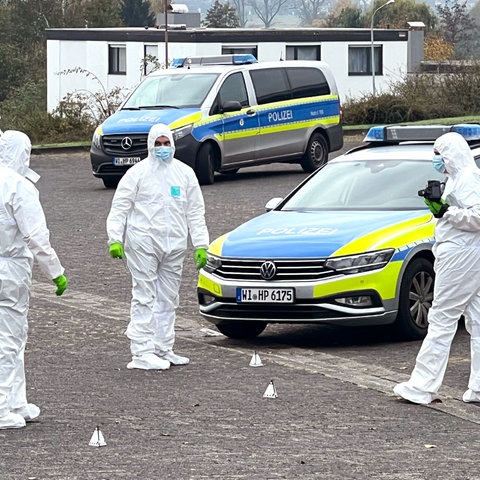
{"x":416,"y":295}
{"x":110,"y":182}
{"x":316,"y":154}
{"x":236,"y":329}
{"x":204,"y":166}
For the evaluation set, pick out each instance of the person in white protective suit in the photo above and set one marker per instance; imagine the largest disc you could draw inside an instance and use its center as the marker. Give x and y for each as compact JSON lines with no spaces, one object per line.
{"x":157,"y":204}
{"x":23,"y":237}
{"x":457,"y":269}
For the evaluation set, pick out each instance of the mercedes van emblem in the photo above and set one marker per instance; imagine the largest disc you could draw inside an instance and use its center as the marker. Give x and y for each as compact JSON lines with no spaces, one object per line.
{"x":268,"y":270}
{"x":127,"y":143}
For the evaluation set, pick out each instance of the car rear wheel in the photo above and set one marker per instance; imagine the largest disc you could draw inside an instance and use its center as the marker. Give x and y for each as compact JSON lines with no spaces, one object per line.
{"x":204,"y":166}
{"x":235,"y":329}
{"x":416,"y":295}
{"x":110,"y":182}
{"x":316,"y":154}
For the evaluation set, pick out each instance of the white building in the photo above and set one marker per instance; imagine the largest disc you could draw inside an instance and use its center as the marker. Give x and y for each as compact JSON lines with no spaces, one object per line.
{"x":115,"y":55}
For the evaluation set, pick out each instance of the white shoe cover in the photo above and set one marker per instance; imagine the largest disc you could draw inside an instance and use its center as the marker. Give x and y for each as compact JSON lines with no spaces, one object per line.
{"x":28,"y":411}
{"x":412,"y":394}
{"x":471,"y":396}
{"x":173,"y":358}
{"x":149,"y":361}
{"x":11,"y":420}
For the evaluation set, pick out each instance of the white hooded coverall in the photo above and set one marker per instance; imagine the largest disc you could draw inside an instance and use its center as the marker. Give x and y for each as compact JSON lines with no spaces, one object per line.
{"x":23,"y":237}
{"x":457,"y":276}
{"x":156,"y":206}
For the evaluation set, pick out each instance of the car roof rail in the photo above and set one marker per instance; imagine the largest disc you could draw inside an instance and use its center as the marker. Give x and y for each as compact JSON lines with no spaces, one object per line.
{"x":236,"y":59}
{"x":420,"y":133}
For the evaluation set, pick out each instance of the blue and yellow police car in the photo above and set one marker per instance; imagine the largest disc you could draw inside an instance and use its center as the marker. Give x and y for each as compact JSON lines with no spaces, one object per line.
{"x":351,"y":245}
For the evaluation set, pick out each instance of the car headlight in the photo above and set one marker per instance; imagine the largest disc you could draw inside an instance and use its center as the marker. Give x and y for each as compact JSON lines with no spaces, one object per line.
{"x":96,"y":140}
{"x":213,"y":262}
{"x":360,"y":263}
{"x":179,"y":133}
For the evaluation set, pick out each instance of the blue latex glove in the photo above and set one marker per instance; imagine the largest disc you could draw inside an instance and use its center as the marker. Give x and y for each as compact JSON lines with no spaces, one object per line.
{"x":116,"y":250}
{"x":200,"y":258}
{"x":437,"y":208}
{"x":61,"y":282}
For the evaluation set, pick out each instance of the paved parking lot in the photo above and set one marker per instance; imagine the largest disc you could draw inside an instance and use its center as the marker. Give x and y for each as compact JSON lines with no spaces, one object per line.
{"x":334,"y":417}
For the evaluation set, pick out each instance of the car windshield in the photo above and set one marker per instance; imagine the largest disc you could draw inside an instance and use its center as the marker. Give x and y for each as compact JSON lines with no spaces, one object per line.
{"x":172,"y":91}
{"x":365,"y":185}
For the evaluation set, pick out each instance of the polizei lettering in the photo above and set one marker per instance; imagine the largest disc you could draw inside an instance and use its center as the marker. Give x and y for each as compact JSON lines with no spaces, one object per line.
{"x":280,"y":116}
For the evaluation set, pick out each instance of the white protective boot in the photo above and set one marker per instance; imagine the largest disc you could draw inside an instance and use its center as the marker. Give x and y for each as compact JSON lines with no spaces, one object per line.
{"x":29,"y":411}
{"x":148,"y":361}
{"x":173,"y":358}
{"x":11,"y":420}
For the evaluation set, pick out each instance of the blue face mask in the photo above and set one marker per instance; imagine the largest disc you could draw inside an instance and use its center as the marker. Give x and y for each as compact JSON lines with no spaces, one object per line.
{"x":163,"y":153}
{"x":438,"y":163}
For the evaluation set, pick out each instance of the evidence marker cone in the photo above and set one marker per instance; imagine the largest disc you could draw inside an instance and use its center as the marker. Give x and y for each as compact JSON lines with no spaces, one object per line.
{"x":256,"y":361}
{"x":271,"y":391}
{"x":97,"y":439}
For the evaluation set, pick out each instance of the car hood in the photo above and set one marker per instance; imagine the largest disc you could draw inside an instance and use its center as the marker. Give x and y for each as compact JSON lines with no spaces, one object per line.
{"x":140,"y":121}
{"x":279,"y":234}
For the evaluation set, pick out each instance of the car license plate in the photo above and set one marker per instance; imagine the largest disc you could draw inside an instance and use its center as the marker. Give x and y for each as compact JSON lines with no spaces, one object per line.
{"x":265,"y":295}
{"x":125,"y":160}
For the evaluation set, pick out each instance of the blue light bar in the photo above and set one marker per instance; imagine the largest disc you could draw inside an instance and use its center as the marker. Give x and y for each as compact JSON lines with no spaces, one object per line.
{"x":236,"y":59}
{"x":419,"y":133}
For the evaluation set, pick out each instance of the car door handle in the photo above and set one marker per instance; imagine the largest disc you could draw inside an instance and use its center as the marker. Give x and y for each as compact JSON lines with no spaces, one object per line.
{"x":251,"y":113}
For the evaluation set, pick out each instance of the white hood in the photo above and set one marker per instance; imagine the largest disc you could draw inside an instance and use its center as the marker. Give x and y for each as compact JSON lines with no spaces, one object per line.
{"x":15,"y":148}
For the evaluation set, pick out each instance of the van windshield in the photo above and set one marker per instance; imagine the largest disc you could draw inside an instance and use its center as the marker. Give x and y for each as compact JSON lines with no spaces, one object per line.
{"x":171,"y":91}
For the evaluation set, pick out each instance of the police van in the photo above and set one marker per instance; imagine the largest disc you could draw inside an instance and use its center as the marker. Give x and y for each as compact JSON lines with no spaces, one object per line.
{"x":226,"y":117}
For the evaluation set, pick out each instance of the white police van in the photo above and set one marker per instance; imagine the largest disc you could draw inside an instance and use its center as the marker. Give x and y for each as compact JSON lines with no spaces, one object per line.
{"x":225,"y":117}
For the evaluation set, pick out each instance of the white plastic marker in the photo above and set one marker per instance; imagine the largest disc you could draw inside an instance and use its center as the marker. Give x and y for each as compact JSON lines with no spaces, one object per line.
{"x":256,"y":361}
{"x":97,"y":439}
{"x":271,"y":391}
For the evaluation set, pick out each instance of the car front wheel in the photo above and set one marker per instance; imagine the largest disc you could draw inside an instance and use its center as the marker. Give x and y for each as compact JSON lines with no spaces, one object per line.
{"x":110,"y":182}
{"x":205,"y":164}
{"x":416,"y":296}
{"x":235,"y":329}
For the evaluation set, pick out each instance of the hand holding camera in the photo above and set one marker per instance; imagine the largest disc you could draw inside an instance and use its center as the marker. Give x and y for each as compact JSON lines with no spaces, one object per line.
{"x":432,"y":196}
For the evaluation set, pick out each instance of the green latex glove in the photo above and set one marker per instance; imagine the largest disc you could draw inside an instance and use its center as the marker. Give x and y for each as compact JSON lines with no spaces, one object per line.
{"x":61,"y":282}
{"x":200,"y":258}
{"x":437,"y":208}
{"x":116,"y":250}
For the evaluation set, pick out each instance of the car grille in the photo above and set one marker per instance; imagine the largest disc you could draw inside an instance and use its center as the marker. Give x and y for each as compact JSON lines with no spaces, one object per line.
{"x":112,"y":145}
{"x":286,"y":269}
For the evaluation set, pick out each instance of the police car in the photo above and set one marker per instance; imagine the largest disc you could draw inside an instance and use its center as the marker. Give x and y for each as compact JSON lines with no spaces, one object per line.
{"x":351,"y":245}
{"x":226,"y":117}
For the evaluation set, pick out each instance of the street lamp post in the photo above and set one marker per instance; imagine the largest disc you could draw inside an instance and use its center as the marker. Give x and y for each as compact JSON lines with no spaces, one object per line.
{"x":372,"y":60}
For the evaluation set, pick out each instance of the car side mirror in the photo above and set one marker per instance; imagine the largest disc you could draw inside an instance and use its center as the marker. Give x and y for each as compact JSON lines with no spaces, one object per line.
{"x":271,"y":204}
{"x":230,"y":106}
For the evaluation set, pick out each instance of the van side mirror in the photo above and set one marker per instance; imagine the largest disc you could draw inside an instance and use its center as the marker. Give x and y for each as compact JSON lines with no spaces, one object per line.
{"x":230,"y":106}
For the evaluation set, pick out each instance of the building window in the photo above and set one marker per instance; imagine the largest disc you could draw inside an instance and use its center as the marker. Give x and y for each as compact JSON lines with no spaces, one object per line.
{"x":117,"y":59}
{"x":360,"y":60}
{"x":150,"y":58}
{"x":303,"y":52}
{"x":233,"y":50}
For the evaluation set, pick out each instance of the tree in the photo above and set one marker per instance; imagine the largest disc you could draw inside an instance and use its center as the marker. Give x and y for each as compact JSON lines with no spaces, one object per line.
{"x":435,"y":48}
{"x":399,"y":13}
{"x":239,"y":6}
{"x":267,"y":10}
{"x":221,"y":15}
{"x":344,"y":14}
{"x":136,"y":13}
{"x":457,"y":27}
{"x":310,"y":10}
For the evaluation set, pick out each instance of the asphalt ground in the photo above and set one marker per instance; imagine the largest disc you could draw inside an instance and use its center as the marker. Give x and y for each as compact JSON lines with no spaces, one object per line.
{"x":334,"y":417}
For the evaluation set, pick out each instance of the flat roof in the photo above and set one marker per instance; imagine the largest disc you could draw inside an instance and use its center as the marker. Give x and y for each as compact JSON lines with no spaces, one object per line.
{"x":227,"y":35}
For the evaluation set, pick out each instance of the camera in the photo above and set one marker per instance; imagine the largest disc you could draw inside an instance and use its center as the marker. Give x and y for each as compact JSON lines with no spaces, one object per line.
{"x":433,"y":191}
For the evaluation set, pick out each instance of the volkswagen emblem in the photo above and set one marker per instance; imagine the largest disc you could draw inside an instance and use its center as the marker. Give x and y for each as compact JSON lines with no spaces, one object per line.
{"x":268,"y":270}
{"x":127,"y":143}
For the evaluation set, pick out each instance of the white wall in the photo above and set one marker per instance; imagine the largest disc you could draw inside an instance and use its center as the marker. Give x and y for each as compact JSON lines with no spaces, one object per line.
{"x":93,"y":57}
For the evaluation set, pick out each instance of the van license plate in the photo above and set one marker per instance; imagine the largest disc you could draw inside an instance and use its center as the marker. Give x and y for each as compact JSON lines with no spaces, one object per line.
{"x":265,"y":295}
{"x":126,"y":160}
